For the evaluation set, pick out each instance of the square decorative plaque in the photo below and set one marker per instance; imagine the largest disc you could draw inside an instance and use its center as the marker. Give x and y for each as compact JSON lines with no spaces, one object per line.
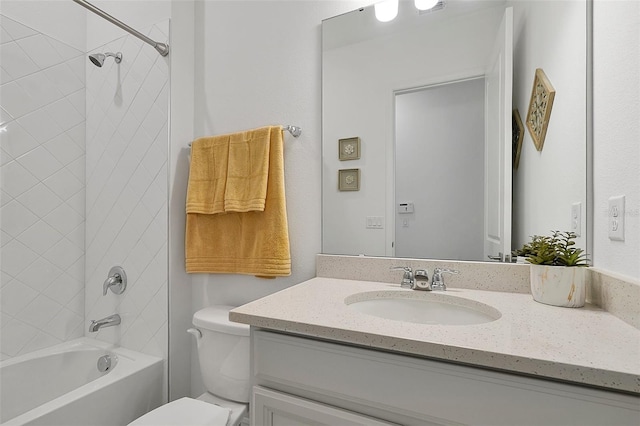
{"x":540,"y":105}
{"x":349,"y":180}
{"x":517,"y":130}
{"x":349,"y":148}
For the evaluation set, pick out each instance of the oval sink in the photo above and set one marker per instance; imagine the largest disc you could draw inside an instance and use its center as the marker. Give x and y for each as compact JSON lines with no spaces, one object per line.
{"x":422,"y":308}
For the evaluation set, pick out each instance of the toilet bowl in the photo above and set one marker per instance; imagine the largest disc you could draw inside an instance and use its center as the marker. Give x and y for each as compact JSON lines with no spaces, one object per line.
{"x":223,"y":352}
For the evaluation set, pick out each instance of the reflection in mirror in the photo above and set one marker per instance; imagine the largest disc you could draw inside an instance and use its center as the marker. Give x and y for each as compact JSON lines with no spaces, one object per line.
{"x":368,"y":66}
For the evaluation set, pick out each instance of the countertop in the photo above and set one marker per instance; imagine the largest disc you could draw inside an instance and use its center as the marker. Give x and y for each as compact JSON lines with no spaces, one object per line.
{"x":581,"y":345}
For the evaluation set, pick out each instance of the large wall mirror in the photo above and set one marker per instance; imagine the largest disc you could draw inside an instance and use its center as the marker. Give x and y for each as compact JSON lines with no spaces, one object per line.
{"x":422,"y":107}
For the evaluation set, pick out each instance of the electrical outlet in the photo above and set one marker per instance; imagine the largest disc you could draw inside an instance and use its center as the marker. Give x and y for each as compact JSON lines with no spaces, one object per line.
{"x":615,"y":221}
{"x":576,"y":218}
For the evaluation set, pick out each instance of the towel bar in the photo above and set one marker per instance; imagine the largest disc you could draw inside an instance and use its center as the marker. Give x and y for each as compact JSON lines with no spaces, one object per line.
{"x":294,"y":130}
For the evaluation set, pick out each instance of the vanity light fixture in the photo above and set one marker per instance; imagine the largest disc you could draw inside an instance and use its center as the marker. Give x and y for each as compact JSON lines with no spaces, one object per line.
{"x":386,"y":10}
{"x":425,"y":4}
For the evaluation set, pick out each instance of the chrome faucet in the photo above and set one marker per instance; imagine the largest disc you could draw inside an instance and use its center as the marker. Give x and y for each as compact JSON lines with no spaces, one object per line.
{"x":437,"y":280}
{"x":109,"y":321}
{"x":407,"y":278}
{"x":117,"y":281}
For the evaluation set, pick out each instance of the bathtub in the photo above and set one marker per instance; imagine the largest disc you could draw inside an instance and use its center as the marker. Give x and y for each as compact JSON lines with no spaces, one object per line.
{"x":62,"y":385}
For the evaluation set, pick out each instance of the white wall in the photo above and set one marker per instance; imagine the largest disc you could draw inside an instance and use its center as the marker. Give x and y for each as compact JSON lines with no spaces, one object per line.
{"x":551,"y":36}
{"x":617,"y":131}
{"x":126,"y":203}
{"x":61,"y":20}
{"x":42,"y":95}
{"x":366,"y":75}
{"x":258,"y":63}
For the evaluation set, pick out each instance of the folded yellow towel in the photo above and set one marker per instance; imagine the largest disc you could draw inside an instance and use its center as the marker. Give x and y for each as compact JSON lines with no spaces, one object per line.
{"x":229,"y":173}
{"x":208,"y":175}
{"x":253,"y":242}
{"x":248,"y":171}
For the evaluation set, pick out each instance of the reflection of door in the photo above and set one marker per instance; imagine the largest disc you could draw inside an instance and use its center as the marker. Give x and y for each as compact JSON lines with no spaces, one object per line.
{"x":498,"y":84}
{"x":439,"y":173}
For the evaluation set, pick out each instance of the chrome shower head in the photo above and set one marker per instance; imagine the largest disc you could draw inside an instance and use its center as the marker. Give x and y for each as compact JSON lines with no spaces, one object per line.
{"x":98,"y":58}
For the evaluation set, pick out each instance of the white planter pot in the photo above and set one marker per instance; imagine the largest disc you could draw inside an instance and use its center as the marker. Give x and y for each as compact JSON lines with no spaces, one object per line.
{"x":558,"y":285}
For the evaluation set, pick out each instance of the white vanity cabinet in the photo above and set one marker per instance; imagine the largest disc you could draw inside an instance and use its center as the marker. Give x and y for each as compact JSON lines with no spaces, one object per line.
{"x":300,"y":381}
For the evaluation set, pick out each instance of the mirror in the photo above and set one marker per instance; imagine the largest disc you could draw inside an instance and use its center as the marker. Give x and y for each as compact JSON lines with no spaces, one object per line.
{"x":368,"y":66}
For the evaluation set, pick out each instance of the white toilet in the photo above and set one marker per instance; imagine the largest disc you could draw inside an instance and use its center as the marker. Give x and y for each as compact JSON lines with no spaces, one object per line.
{"x":223,"y":351}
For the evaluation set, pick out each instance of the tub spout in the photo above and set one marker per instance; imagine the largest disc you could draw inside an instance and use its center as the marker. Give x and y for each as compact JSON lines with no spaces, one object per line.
{"x":109,"y":321}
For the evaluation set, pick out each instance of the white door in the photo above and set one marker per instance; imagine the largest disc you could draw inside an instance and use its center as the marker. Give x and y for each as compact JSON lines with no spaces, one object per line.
{"x":498,"y":86}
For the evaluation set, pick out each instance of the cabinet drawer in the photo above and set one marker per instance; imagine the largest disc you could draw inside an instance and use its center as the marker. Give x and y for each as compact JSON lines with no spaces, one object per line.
{"x":412,"y":390}
{"x":271,"y":408}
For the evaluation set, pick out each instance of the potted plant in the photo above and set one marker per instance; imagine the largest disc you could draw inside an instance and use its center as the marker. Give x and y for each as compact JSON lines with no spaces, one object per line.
{"x":557,"y":269}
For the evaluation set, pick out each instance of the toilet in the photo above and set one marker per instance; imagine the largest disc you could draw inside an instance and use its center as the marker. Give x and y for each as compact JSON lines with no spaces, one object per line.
{"x":223,"y":352}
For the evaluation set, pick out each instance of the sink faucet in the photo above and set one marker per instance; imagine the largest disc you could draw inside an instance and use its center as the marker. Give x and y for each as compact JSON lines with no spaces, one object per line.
{"x":437,"y":280}
{"x":109,"y":321}
{"x":407,"y":279}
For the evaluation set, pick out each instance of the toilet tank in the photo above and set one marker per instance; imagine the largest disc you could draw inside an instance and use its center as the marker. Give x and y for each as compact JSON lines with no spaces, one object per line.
{"x":223,"y":351}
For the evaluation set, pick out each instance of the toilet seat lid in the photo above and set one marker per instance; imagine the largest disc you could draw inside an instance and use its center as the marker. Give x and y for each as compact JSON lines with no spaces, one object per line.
{"x":185,"y":412}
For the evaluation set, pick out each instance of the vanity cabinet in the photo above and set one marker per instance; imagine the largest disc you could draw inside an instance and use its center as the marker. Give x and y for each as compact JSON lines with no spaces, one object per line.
{"x":299,"y":380}
{"x":272,"y":408}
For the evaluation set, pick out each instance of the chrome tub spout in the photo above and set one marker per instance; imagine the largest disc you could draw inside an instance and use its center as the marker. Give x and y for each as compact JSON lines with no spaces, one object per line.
{"x":109,"y":321}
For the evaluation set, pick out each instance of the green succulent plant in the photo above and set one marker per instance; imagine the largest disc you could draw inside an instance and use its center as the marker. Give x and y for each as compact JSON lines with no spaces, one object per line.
{"x":556,"y":250}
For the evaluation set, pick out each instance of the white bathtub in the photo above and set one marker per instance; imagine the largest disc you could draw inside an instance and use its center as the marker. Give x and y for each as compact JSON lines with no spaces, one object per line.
{"x":61,"y":385}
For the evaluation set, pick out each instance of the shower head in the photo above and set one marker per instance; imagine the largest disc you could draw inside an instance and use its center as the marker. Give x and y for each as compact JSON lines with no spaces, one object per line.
{"x":98,"y":58}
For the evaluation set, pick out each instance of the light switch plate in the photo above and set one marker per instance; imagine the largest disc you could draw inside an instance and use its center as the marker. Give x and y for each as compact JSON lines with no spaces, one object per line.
{"x":615,"y":221}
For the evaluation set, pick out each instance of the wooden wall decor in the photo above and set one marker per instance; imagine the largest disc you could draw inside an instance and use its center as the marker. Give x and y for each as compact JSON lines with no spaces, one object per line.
{"x":542,"y":95}
{"x":517,"y":130}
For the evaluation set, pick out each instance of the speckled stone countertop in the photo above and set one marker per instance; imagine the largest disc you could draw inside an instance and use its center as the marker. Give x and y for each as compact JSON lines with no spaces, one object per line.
{"x":586,"y":345}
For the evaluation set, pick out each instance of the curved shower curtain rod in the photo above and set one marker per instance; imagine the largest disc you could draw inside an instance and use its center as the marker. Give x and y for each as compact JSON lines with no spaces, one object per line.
{"x":162,"y":48}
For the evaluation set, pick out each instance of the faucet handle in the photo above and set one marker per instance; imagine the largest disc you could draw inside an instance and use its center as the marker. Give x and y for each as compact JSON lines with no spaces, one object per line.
{"x":437,"y":280}
{"x":407,"y":277}
{"x":117,"y":281}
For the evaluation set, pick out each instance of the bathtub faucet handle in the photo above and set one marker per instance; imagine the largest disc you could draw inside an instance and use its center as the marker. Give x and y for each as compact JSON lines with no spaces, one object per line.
{"x":117,"y":281}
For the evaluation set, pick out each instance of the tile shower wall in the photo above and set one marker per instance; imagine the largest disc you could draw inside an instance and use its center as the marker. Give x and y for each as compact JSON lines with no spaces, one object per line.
{"x":42,"y":163}
{"x":127,"y":148}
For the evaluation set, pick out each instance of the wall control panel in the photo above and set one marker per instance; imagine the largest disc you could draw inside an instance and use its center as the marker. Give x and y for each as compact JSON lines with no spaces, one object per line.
{"x":404,"y":208}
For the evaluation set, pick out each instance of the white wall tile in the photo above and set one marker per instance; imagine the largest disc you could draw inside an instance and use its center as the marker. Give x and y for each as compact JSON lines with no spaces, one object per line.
{"x":64,"y":114}
{"x":40,"y":237}
{"x":40,"y":125}
{"x":39,"y":312}
{"x":63,"y":184}
{"x":40,"y":200}
{"x":40,"y":163}
{"x":64,"y":219}
{"x":122,"y":168}
{"x":64,"y":289}
{"x":15,"y":218}
{"x":40,"y":88}
{"x":16,"y":179}
{"x":15,"y":29}
{"x":15,"y":140}
{"x":39,"y":274}
{"x":40,"y":51}
{"x":15,"y":296}
{"x":63,"y":254}
{"x":64,"y":149}
{"x":15,"y":61}
{"x":16,"y":101}
{"x":15,"y":335}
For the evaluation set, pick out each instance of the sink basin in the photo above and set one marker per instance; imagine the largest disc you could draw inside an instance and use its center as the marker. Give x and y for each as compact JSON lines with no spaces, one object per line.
{"x":422,"y":308}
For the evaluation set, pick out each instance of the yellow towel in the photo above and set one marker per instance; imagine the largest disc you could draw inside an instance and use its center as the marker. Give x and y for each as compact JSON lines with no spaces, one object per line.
{"x":208,"y":175}
{"x":248,"y":171}
{"x":229,"y":173}
{"x":252,"y":243}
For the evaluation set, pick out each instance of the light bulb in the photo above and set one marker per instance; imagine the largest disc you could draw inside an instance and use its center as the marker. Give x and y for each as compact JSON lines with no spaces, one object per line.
{"x":386,"y":10}
{"x":425,"y":4}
